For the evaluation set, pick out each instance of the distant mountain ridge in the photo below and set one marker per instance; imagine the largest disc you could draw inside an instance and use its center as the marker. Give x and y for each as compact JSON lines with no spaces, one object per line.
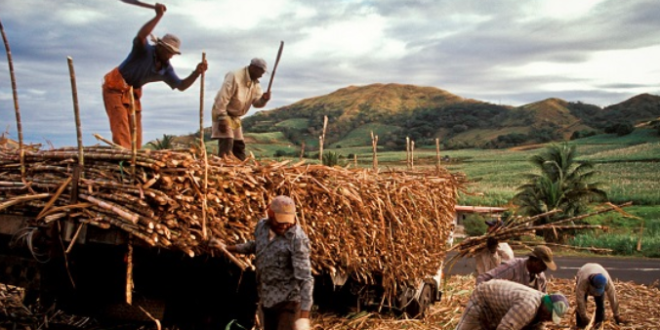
{"x":398,"y":111}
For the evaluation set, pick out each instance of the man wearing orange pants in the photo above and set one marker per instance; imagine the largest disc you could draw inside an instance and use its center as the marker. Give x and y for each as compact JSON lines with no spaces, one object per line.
{"x":146,"y":63}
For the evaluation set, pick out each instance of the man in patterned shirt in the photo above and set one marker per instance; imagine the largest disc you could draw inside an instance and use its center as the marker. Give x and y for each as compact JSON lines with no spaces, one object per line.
{"x":284,"y":272}
{"x":526,"y":271}
{"x":500,"y":304}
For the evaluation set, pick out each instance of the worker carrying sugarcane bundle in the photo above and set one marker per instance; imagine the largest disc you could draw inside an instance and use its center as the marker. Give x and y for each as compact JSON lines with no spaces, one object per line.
{"x":593,"y":280}
{"x":503,"y":248}
{"x":501,"y":304}
{"x":146,"y":63}
{"x":527,"y":271}
{"x":495,"y":252}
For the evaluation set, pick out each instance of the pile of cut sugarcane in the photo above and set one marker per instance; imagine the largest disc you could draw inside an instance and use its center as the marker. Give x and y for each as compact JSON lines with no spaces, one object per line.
{"x":515,"y":227}
{"x":359,"y":222}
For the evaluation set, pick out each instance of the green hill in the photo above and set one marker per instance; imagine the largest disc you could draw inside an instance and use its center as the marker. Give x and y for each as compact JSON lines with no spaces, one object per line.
{"x":395,"y":111}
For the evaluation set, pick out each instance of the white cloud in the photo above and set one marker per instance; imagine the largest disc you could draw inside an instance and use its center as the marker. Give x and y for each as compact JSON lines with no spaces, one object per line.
{"x":612,"y":67}
{"x":359,"y":36}
{"x":560,"y":9}
{"x":234,"y":14}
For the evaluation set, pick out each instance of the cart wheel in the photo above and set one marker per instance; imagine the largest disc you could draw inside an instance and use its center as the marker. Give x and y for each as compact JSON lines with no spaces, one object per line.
{"x":418,"y":306}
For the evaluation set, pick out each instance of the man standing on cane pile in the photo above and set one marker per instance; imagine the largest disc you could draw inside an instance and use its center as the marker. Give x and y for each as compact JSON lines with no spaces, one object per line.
{"x":526,"y":271}
{"x":239,"y":91}
{"x":284,"y":273}
{"x":500,"y":304}
{"x":593,"y":280}
{"x":146,"y":63}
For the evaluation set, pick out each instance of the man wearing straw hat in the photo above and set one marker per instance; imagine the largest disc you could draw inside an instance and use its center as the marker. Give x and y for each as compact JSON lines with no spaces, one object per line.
{"x":240,"y":91}
{"x":593,"y":280}
{"x":500,"y":304}
{"x":146,"y":63}
{"x":283,"y":266}
{"x":526,"y":271}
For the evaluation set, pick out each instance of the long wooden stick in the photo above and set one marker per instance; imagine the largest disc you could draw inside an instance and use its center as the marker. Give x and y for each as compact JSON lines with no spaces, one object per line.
{"x":76,"y":110}
{"x":19,"y":126}
{"x":203,"y":150}
{"x":322,"y":138}
{"x":277,"y":61}
{"x":133,"y":133}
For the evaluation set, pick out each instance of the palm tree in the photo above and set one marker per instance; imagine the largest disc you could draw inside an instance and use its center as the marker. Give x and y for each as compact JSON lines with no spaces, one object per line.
{"x":563,"y":183}
{"x":165,"y":143}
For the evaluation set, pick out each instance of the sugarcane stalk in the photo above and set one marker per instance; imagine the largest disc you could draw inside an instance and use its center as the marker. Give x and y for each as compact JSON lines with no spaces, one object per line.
{"x":322,"y":138}
{"x":407,"y":152}
{"x":133,"y":133}
{"x":203,"y":147}
{"x":129,"y":271}
{"x":437,"y":154}
{"x":21,"y":199}
{"x":76,"y":111}
{"x":374,"y":146}
{"x":14,"y":90}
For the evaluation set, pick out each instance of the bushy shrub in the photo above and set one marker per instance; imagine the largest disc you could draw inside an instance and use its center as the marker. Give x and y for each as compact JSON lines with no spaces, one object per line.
{"x":475,"y":225}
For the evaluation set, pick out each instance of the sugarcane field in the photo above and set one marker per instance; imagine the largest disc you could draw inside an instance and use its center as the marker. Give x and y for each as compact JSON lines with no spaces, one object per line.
{"x":377,"y":206}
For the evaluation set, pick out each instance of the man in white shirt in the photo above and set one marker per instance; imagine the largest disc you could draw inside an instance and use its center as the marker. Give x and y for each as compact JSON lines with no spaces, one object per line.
{"x":239,"y":91}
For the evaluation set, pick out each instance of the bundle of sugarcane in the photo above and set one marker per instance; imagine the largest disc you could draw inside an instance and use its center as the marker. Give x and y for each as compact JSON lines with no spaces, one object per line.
{"x":515,"y":227}
{"x":359,"y":222}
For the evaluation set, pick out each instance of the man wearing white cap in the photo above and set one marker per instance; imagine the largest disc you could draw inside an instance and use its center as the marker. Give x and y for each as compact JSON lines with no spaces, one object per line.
{"x":240,"y":91}
{"x":593,"y":280}
{"x":500,"y":304}
{"x":146,"y":63}
{"x":284,"y":272}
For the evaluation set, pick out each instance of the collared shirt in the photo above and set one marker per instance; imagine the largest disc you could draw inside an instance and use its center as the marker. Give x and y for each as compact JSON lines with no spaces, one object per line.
{"x":237,"y":94}
{"x":284,"y":271}
{"x":486,"y":261}
{"x":507,"y":305}
{"x":139,"y":67}
{"x":515,"y":270}
{"x":583,"y":288}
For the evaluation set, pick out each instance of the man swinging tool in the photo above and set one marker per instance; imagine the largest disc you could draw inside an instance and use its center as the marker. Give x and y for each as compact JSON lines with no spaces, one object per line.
{"x":146,"y":63}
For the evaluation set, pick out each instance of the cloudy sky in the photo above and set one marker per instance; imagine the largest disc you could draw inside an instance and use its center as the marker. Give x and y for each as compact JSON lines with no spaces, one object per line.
{"x":501,"y":51}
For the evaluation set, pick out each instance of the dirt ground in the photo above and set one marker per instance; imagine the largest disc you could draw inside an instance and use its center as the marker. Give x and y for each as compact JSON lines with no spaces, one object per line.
{"x":639,"y":304}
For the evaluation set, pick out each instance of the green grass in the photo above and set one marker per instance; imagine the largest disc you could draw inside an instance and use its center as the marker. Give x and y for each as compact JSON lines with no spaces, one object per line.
{"x":297,"y":123}
{"x":361,"y":136}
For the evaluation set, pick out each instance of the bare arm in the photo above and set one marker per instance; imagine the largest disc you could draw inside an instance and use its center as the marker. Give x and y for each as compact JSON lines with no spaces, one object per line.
{"x":185,"y":83}
{"x":148,"y":27}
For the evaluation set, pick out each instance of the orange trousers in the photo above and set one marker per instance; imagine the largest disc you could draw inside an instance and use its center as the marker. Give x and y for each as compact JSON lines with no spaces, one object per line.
{"x":117,"y":101}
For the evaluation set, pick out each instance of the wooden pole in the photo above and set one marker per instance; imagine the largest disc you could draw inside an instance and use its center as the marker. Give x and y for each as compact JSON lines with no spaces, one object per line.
{"x":412,"y":155}
{"x":133,"y":134}
{"x":374,"y":146}
{"x":129,"y":270}
{"x":277,"y":61}
{"x":407,"y":152}
{"x":17,"y":110}
{"x":355,"y":160}
{"x":302,"y":151}
{"x":322,"y":138}
{"x":203,"y":150}
{"x":437,"y":154}
{"x":76,"y":111}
